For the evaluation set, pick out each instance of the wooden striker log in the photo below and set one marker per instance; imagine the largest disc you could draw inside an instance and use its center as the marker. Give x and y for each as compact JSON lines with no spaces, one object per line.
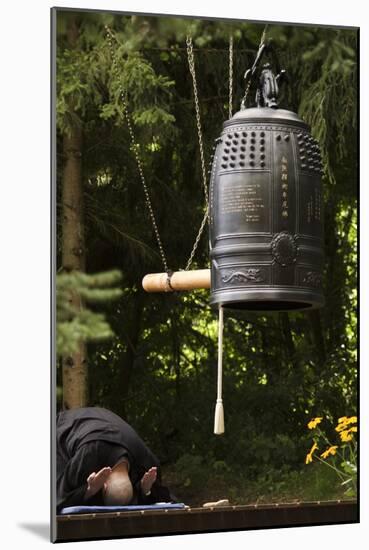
{"x":180,"y":280}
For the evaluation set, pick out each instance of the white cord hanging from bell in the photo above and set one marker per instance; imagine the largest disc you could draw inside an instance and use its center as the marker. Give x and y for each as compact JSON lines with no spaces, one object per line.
{"x":219,"y":411}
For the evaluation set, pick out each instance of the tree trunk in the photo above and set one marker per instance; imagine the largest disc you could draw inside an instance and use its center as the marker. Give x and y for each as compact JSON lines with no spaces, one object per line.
{"x":73,"y":247}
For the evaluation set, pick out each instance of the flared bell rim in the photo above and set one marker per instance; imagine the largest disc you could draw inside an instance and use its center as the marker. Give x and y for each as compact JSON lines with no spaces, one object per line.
{"x":268,"y":300}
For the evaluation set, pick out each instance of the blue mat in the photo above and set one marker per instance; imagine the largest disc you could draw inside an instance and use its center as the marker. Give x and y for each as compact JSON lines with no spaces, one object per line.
{"x":101,"y":509}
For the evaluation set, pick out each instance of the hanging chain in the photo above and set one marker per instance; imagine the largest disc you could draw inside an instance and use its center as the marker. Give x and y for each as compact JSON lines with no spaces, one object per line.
{"x":135,"y":145}
{"x":262,"y":40}
{"x":230,"y":75}
{"x":202,"y":226}
{"x":191,"y":64}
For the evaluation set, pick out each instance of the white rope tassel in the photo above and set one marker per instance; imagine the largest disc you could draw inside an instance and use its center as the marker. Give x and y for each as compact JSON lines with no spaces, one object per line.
{"x":219,"y":411}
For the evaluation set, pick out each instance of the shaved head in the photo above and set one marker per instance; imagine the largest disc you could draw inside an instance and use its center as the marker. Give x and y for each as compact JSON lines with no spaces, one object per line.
{"x":118,"y":490}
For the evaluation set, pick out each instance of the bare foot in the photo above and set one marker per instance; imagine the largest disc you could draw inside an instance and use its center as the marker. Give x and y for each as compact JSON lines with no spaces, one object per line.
{"x":223,"y":502}
{"x":148,"y":479}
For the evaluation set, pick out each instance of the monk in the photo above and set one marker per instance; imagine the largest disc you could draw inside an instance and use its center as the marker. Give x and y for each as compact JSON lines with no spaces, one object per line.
{"x":101,"y":460}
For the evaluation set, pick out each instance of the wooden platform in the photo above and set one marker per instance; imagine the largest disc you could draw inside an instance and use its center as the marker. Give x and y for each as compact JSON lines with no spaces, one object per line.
{"x":201,"y":520}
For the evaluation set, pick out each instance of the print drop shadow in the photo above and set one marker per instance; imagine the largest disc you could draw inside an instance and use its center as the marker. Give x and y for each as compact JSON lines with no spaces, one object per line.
{"x":40,"y":529}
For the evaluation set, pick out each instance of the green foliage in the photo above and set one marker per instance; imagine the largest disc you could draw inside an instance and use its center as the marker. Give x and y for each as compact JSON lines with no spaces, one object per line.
{"x":334,"y":84}
{"x":84,"y":80}
{"x":191,"y":470}
{"x":196,"y":481}
{"x":75,"y":322}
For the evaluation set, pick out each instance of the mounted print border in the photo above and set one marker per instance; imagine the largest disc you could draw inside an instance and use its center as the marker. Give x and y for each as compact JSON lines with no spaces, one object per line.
{"x":204,"y":237}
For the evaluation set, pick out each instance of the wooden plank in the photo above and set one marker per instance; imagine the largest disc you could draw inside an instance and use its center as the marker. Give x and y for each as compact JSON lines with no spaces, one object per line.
{"x":200,"y":520}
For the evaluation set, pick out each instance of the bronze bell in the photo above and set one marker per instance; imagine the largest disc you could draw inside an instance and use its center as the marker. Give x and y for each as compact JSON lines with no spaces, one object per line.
{"x":266,"y":208}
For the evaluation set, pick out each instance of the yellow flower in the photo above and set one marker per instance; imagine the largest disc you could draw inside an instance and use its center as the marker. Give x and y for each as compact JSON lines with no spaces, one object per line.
{"x":340,"y":427}
{"x":314,"y":422}
{"x":346,"y":436}
{"x":309,"y":456}
{"x":344,"y":421}
{"x":331,"y":451}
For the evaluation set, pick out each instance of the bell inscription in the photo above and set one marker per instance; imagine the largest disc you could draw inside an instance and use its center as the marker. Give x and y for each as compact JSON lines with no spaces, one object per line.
{"x":244,"y":201}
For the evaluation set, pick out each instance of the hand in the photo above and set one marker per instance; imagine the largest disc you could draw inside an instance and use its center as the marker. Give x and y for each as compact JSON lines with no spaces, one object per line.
{"x":95,"y":481}
{"x":148,"y":479}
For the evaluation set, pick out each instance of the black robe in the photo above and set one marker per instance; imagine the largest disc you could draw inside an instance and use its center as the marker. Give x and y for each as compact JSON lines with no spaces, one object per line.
{"x":91,"y":438}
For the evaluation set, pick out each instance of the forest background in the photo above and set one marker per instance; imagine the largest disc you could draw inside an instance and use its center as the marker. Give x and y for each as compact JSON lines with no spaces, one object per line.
{"x":152,"y":358}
